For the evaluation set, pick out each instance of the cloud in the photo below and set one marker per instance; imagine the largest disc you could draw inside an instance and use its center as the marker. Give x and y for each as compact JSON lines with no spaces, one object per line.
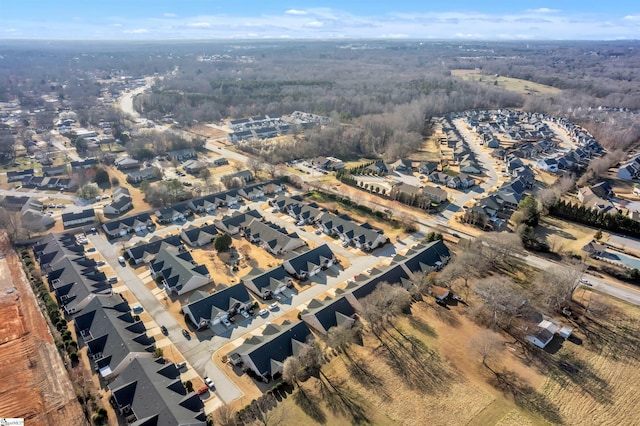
{"x":543,"y":10}
{"x":295,"y":12}
{"x":632,"y":18}
{"x":314,"y":24}
{"x":199,"y":25}
{"x":169,"y":15}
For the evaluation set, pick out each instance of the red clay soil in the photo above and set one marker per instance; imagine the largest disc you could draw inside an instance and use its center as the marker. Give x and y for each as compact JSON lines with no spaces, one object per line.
{"x":34,"y":384}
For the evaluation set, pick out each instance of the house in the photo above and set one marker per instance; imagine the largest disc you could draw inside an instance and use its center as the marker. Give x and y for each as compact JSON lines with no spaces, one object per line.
{"x":322,"y":315}
{"x":70,"y":220}
{"x":125,"y":163}
{"x":395,"y":274}
{"x":437,"y":195}
{"x":266,"y":284}
{"x":151,"y":391}
{"x":32,"y":218}
{"x":140,"y":175}
{"x":78,"y":166}
{"x":439,"y":178}
{"x":176,"y":213}
{"x":544,"y":334}
{"x":363,"y":237}
{"x":220,"y":161}
{"x":304,"y":266}
{"x":402,"y":165}
{"x":630,"y":169}
{"x":272,"y":238}
{"x":265,"y":354}
{"x":251,"y":193}
{"x":121,"y":227}
{"x":493,"y":143}
{"x":237,"y":221}
{"x":19,"y":175}
{"x":182,"y":154}
{"x":193,"y":166}
{"x":61,"y":170}
{"x":178,"y":271}
{"x":440,"y":293}
{"x":466,"y":181}
{"x":145,"y":251}
{"x":199,"y":236}
{"x":114,"y":337}
{"x":206,"y":310}
{"x":244,"y":175}
{"x":548,"y":164}
{"x":470,"y":167}
{"x":454,"y":183}
{"x":424,"y":258}
{"x":428,"y":167}
{"x":595,"y":249}
{"x":120,"y":203}
{"x":378,"y":168}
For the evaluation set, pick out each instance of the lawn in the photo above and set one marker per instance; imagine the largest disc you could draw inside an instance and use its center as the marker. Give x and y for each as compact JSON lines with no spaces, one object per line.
{"x":523,"y":87}
{"x":564,"y":236}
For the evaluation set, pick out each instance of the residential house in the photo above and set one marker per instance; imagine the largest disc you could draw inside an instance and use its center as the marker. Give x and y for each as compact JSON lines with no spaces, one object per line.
{"x":141,"y":175}
{"x":471,"y":167}
{"x":126,"y":163}
{"x":19,"y":175}
{"x":265,"y":354}
{"x":428,"y":167}
{"x":394,"y":274}
{"x":179,"y":272}
{"x":145,"y":251}
{"x":363,"y":237}
{"x":440,"y":293}
{"x":206,"y":310}
{"x":595,"y":249}
{"x":121,"y":202}
{"x":304,"y":266}
{"x":439,"y":178}
{"x":220,"y":161}
{"x":548,"y":164}
{"x":454,"y":183}
{"x":437,"y":195}
{"x":121,"y":227}
{"x":199,"y":236}
{"x":266,"y":284}
{"x":402,"y":165}
{"x":70,"y":220}
{"x":182,"y":154}
{"x":151,"y":391}
{"x":113,"y":336}
{"x":251,"y":193}
{"x":193,"y":166}
{"x":272,"y":238}
{"x":629,"y":169}
{"x":378,"y":168}
{"x":244,"y":175}
{"x":424,"y":258}
{"x":323,"y":315}
{"x":79,"y":166}
{"x":61,"y":170}
{"x":466,"y":181}
{"x":175,"y":213}
{"x":544,"y":334}
{"x":237,"y":222}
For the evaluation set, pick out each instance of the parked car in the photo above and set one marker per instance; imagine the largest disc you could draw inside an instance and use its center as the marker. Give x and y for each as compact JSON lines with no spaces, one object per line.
{"x":164,"y":331}
{"x":245,"y":314}
{"x":121,"y":260}
{"x":137,"y":309}
{"x":181,"y":365}
{"x":318,"y":231}
{"x":273,"y":306}
{"x":226,"y":322}
{"x":209,"y":383}
{"x":586,"y":282}
{"x":186,"y":334}
{"x":113,"y":280}
{"x":263,"y":312}
{"x":204,"y":389}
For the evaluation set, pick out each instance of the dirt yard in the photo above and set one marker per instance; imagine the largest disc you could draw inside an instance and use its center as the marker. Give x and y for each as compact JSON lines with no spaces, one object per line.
{"x":34,"y":384}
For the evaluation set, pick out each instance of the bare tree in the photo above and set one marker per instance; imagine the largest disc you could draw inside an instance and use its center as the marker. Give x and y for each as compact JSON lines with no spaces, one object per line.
{"x":11,"y":221}
{"x":486,"y":344}
{"x":224,"y":416}
{"x":502,"y":298}
{"x":557,"y":286}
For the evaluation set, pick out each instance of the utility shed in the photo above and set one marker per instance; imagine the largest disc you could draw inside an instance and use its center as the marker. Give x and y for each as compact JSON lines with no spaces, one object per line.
{"x":565,"y":332}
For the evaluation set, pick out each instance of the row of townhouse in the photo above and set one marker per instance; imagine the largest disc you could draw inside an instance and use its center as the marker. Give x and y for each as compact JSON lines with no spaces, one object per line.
{"x":118,"y":347}
{"x":265,"y":353}
{"x":361,"y":236}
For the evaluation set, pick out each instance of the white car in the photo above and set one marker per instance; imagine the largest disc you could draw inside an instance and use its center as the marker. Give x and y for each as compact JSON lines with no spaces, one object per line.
{"x":209,"y":382}
{"x":586,"y":282}
{"x":121,"y":260}
{"x":226,"y":322}
{"x":273,"y":306}
{"x":263,"y":312}
{"x":245,"y":314}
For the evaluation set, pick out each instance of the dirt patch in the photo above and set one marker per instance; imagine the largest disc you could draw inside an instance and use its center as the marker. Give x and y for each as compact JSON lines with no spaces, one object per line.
{"x":35,"y":384}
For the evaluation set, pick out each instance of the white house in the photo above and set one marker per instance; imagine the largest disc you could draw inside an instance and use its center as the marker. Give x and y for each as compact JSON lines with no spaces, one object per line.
{"x":544,"y":335}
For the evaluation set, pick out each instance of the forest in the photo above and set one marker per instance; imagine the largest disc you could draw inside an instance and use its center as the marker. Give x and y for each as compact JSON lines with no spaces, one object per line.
{"x":379,"y":94}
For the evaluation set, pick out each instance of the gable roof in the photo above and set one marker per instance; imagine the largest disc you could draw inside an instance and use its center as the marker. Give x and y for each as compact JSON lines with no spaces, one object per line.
{"x":276,"y":238}
{"x":178,"y":268}
{"x":200,"y":235}
{"x":145,"y":250}
{"x":423,"y":258}
{"x":316,"y":256}
{"x":330,"y":312}
{"x":269,"y":351}
{"x":393,"y":275}
{"x":220,"y":302}
{"x":270,"y":280}
{"x":155,"y":394}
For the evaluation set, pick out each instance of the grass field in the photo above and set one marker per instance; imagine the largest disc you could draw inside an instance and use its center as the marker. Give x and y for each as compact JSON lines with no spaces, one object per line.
{"x":439,"y":378}
{"x":523,"y":87}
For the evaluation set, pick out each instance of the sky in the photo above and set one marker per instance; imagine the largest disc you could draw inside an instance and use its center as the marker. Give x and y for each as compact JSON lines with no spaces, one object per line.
{"x":302,"y":19}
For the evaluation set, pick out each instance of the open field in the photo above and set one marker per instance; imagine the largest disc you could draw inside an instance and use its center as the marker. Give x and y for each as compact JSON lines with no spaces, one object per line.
{"x":35,"y":384}
{"x":523,"y":87}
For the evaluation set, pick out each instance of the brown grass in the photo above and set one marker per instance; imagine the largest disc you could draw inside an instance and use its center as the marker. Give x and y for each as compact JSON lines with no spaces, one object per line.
{"x":523,"y":87}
